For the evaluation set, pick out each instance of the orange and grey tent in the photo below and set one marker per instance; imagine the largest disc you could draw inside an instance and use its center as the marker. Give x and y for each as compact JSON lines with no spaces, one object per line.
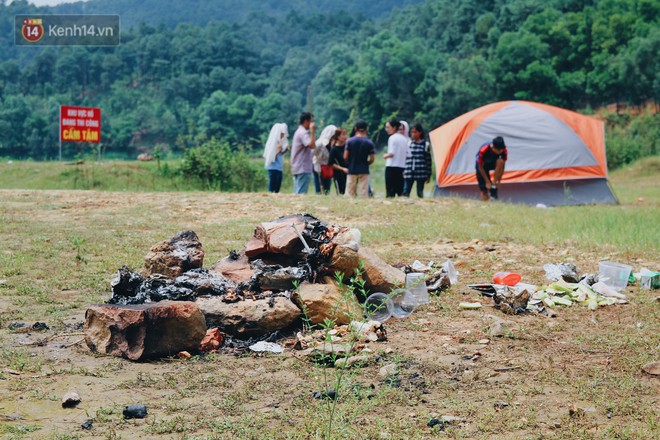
{"x":555,"y":156}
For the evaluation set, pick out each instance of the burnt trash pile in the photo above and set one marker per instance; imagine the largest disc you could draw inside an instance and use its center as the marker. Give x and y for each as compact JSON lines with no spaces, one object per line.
{"x":290,"y":264}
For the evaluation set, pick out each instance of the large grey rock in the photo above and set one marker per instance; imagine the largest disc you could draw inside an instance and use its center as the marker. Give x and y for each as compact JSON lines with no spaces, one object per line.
{"x":144,"y":331}
{"x":378,"y":275}
{"x":175,"y":256}
{"x":249,"y":318}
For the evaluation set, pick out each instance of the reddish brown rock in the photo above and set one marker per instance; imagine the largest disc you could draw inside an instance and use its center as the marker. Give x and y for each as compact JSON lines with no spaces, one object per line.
{"x":249,"y":317}
{"x":175,"y":256}
{"x":321,"y":301}
{"x":345,"y":260}
{"x":212,"y":341}
{"x":277,"y":237}
{"x":144,"y":331}
{"x":378,"y":275}
{"x":235,"y":268}
{"x":255,"y":246}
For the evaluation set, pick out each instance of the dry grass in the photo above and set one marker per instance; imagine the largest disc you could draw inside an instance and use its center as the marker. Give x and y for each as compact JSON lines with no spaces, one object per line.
{"x":59,"y":249}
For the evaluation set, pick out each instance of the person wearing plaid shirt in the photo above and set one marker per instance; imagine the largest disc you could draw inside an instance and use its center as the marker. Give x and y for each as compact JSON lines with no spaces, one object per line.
{"x":418,"y":162}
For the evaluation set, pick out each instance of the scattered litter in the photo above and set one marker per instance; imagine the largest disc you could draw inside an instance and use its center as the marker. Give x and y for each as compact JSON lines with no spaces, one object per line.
{"x":507,"y":278}
{"x":562,"y":271}
{"x":138,"y":411}
{"x":541,"y":206}
{"x":70,"y":399}
{"x":87,"y":425}
{"x":511,"y":300}
{"x":184,"y":355}
{"x":606,"y":290}
{"x":649,"y":279}
{"x":567,"y":294}
{"x":500,"y":405}
{"x":269,"y":347}
{"x":452,"y":273}
{"x":470,"y":305}
{"x":614,"y":274}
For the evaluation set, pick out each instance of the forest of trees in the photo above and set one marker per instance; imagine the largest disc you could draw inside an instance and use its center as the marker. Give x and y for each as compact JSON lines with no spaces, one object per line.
{"x":232,"y":77}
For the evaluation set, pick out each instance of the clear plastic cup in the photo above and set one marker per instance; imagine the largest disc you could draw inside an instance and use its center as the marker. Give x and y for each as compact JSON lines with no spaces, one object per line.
{"x":403,"y":303}
{"x":614,"y":274}
{"x":415,"y":282}
{"x":378,"y":307}
{"x":448,"y":266}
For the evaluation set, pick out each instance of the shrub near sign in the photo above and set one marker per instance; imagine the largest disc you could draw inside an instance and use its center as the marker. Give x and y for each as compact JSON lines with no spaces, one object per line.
{"x":80,"y":124}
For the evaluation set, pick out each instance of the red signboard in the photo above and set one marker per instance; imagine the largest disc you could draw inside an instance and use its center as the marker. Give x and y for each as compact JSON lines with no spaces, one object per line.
{"x":80,"y":124}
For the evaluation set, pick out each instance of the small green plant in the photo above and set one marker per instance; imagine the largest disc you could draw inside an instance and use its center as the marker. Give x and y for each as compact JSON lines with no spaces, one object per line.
{"x":333,"y":382}
{"x":78,"y":244}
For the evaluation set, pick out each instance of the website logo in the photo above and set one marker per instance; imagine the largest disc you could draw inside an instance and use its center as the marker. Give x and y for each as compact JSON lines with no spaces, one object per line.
{"x":66,"y":30}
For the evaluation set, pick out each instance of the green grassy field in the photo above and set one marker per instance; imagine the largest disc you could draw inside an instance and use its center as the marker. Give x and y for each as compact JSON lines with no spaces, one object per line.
{"x":61,"y":244}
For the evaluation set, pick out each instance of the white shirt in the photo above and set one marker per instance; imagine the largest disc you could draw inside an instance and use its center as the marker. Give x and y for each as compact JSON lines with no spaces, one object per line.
{"x":397,"y":145}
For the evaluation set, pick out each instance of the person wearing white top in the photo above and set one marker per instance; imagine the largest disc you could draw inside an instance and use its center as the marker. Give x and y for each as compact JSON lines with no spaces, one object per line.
{"x":395,"y":159}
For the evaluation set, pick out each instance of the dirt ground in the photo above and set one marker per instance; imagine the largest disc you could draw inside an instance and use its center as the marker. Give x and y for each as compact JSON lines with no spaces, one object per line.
{"x":575,"y":375}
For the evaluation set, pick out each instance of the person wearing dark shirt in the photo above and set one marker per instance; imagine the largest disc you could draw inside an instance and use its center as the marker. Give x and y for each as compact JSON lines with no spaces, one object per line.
{"x":491,"y":157}
{"x":359,"y":154}
{"x":336,"y":159}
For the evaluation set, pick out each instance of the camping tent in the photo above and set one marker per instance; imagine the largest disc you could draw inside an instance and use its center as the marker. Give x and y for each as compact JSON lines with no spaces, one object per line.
{"x":555,"y":156}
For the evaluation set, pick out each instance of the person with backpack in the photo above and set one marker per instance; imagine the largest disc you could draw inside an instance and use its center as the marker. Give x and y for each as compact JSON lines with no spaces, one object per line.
{"x":418,"y":162}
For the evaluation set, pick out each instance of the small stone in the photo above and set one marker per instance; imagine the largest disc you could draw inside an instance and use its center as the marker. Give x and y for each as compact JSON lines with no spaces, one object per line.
{"x":40,"y":326}
{"x":500,"y":405}
{"x":452,"y":419}
{"x":184,"y":355}
{"x":388,"y":370}
{"x":484,"y":341}
{"x":330,"y":393}
{"x":138,"y":411}
{"x":351,"y":361}
{"x":652,"y":368}
{"x":88,"y":424}
{"x":436,"y":422}
{"x":70,"y":399}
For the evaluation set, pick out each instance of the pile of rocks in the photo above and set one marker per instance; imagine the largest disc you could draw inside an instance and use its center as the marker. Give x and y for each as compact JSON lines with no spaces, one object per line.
{"x":289,"y":265}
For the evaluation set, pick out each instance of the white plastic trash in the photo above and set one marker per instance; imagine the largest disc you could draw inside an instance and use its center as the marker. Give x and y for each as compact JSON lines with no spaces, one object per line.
{"x":448,"y":266}
{"x":614,"y":274}
{"x":416,"y":283}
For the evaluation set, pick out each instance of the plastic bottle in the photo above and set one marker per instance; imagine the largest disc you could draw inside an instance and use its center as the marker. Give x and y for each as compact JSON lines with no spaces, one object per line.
{"x":508,"y":278}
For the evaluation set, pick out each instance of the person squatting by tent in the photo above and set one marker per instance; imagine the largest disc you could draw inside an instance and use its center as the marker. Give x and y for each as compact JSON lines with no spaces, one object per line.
{"x":491,"y":157}
{"x":418,"y":162}
{"x":276,"y":145}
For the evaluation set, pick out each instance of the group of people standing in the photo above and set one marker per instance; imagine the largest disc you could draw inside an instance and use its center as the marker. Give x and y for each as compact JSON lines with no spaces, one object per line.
{"x":344,"y":159}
